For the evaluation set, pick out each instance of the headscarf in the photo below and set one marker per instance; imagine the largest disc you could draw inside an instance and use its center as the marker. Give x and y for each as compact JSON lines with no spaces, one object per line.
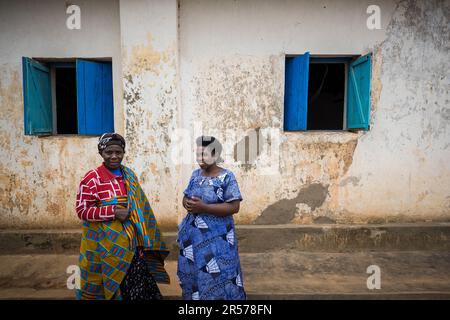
{"x":108,"y":139}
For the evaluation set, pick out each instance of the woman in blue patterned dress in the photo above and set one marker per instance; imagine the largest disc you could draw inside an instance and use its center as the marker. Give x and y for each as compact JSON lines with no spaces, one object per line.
{"x":208,"y":263}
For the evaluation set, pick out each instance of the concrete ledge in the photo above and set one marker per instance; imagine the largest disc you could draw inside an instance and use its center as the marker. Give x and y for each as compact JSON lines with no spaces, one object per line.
{"x":39,"y":241}
{"x":264,"y":238}
{"x":345,"y":238}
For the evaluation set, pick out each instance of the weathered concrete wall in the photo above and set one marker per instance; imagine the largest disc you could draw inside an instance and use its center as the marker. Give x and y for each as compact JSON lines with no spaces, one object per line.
{"x":149,"y":34}
{"x":39,"y":176}
{"x":217,"y":67}
{"x":232,"y":77}
{"x":401,"y":169}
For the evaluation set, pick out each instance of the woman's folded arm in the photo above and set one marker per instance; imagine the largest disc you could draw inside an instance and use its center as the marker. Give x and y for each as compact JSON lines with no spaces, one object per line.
{"x":86,"y":205}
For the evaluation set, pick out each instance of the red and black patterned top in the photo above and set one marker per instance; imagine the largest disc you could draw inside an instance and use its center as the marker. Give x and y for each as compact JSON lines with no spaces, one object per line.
{"x":98,"y":184}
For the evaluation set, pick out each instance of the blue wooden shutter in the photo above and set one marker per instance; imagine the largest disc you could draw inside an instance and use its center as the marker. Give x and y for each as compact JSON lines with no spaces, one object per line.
{"x":358,"y":97}
{"x":296,"y":92}
{"x":37,"y":94}
{"x":94,"y":97}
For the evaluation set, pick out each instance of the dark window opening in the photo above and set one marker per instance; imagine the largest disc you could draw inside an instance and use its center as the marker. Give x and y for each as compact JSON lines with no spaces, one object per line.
{"x":326,"y":92}
{"x":66,"y":100}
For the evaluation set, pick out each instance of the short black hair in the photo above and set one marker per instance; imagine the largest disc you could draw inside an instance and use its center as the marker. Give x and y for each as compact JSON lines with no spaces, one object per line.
{"x":211,"y":143}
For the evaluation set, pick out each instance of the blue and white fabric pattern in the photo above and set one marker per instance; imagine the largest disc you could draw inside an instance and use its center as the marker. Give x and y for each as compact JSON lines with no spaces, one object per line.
{"x":208,"y":264}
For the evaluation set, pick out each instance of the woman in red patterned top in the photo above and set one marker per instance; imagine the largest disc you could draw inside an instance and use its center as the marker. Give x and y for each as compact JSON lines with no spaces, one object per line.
{"x":103,"y":183}
{"x":113,"y":255}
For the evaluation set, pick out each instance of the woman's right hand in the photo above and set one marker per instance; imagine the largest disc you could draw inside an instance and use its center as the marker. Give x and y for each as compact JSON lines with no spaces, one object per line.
{"x":121,"y":214}
{"x":185,"y":204}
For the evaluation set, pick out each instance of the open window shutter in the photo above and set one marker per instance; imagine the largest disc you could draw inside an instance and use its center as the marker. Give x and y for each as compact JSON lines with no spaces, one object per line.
{"x":107,"y":103}
{"x":296,"y":92}
{"x":37,"y":95}
{"x":94,"y":97}
{"x":358,"y":97}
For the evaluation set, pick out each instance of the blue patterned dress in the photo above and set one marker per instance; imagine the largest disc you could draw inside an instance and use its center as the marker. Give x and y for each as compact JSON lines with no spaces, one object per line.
{"x":208,"y":264}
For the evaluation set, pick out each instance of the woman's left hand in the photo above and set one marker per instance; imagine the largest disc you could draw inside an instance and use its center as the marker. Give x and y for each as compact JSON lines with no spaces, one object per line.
{"x":196,"y":205}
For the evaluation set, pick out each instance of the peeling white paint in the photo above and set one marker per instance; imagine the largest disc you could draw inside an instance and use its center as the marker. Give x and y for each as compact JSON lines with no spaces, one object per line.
{"x":220,"y":64}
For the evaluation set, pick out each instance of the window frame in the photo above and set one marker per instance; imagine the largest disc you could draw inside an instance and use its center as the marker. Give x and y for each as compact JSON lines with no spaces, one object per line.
{"x":347,"y":60}
{"x":52,"y":64}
